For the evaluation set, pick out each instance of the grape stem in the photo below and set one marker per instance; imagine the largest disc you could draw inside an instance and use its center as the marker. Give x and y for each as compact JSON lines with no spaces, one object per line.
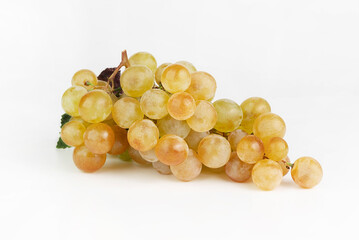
{"x":124,"y":63}
{"x":288,"y":164}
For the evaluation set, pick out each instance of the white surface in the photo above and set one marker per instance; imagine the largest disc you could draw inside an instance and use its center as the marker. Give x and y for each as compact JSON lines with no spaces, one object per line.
{"x":302,"y":56}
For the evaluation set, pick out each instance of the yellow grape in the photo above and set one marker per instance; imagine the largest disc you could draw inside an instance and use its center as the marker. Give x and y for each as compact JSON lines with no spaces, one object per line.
{"x":203,"y":86}
{"x":284,"y":166}
{"x":252,"y":108}
{"x":238,"y":170}
{"x":234,"y":138}
{"x":99,"y":138}
{"x":136,"y":157}
{"x":95,"y":106}
{"x":269,"y":125}
{"x":188,"y":65}
{"x":126,"y":111}
{"x":83,"y":76}
{"x":194,"y":138}
{"x":161,"y":168}
{"x":267,"y":174}
{"x":101,"y":83}
{"x":181,"y":106}
{"x":189,"y":169}
{"x":171,"y":150}
{"x":143,"y":135}
{"x":136,"y":80}
{"x":72,"y":133}
{"x":154,"y":103}
{"x":229,"y":115}
{"x":159,"y":71}
{"x":71,"y":99}
{"x":144,"y":58}
{"x":276,"y":149}
{"x":307,"y":172}
{"x":149,"y":155}
{"x":214,"y":151}
{"x":204,"y":117}
{"x":86,"y":160}
{"x":121,"y":144}
{"x":175,"y":78}
{"x":250,"y":149}
{"x":169,"y":125}
{"x":86,"y":124}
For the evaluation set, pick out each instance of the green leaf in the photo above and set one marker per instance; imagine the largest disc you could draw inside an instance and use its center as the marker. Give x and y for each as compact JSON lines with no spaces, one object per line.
{"x":65,"y":118}
{"x":61,"y":145}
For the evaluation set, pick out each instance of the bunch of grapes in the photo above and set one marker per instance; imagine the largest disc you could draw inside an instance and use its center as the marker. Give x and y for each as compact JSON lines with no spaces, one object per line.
{"x":165,"y":116}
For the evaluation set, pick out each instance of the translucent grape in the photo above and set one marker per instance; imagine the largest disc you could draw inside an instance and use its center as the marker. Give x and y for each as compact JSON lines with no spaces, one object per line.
{"x":250,"y":149}
{"x":71,"y":100}
{"x":161,"y":168}
{"x":181,"y":106}
{"x":189,"y":169}
{"x":169,"y":125}
{"x":121,"y":144}
{"x":154,"y":103}
{"x":188,"y":65}
{"x":234,"y":138}
{"x":175,"y":78}
{"x":171,"y":150}
{"x":136,"y":80}
{"x":204,"y":117}
{"x":238,"y":170}
{"x":203,"y":86}
{"x":276,"y":149}
{"x":126,"y":111}
{"x":194,"y":138}
{"x":284,"y":166}
{"x":252,"y":108}
{"x":149,"y":155}
{"x":159,"y":71}
{"x":136,"y":156}
{"x":84,"y":76}
{"x":229,"y":115}
{"x":143,"y":135}
{"x":307,"y":172}
{"x":269,"y":125}
{"x":95,"y":106}
{"x":267,"y":174}
{"x":145,"y":59}
{"x":86,"y":160}
{"x":214,"y":151}
{"x":72,"y":133}
{"x":86,"y":124}
{"x":99,"y":138}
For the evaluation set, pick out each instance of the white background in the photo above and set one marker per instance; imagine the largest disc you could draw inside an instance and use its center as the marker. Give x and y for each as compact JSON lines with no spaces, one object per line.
{"x":302,"y":56}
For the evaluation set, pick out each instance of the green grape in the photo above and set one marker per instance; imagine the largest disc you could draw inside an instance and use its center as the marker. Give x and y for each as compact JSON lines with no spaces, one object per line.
{"x":204,"y":117}
{"x":72,"y":133}
{"x":175,"y":78}
{"x":159,"y":71}
{"x":121,"y":144}
{"x":194,"y":138}
{"x":86,"y":160}
{"x":203,"y":86}
{"x":126,"y":111}
{"x":250,"y":149}
{"x":307,"y":172}
{"x":136,"y":157}
{"x":189,"y":169}
{"x":252,"y":108}
{"x":161,"y":168}
{"x":269,"y":125}
{"x":99,"y":138}
{"x":234,"y":138}
{"x":154,"y":103}
{"x":169,"y":125}
{"x":95,"y":106}
{"x":145,"y":59}
{"x":276,"y":149}
{"x":171,"y":150}
{"x":71,"y":99}
{"x":229,"y":115}
{"x":149,"y":155}
{"x":181,"y":106}
{"x":136,"y":80}
{"x":214,"y":151}
{"x":238,"y":170}
{"x":143,"y":135}
{"x":267,"y":174}
{"x":188,"y":65}
{"x":84,"y":78}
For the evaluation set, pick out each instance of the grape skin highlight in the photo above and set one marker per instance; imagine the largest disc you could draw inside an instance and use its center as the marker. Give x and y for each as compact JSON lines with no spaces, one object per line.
{"x":143,"y":135}
{"x":99,"y":138}
{"x":307,"y":172}
{"x":88,"y":161}
{"x":126,"y":111}
{"x":267,"y":174}
{"x":71,"y":100}
{"x":181,"y":106}
{"x":214,"y":151}
{"x":175,"y":78}
{"x":72,"y":133}
{"x":95,"y":106}
{"x":204,"y":117}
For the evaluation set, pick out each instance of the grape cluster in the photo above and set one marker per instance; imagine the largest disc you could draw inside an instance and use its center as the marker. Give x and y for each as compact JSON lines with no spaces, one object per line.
{"x":165,"y":117}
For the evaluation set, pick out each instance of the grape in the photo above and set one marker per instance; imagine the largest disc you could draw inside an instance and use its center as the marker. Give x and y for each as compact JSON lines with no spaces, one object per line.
{"x":161,"y":168}
{"x":169,"y":125}
{"x":204,"y":117}
{"x":101,"y":83}
{"x":175,"y":78}
{"x":71,"y":99}
{"x":181,"y":106}
{"x":72,"y":133}
{"x":145,"y":59}
{"x":194,"y":138}
{"x":121,"y":144}
{"x":229,"y":115}
{"x":267,"y":174}
{"x":149,"y":155}
{"x":269,"y":125}
{"x":307,"y":172}
{"x":238,"y":170}
{"x":171,"y":150}
{"x":159,"y":71}
{"x":188,"y":65}
{"x":276,"y":149}
{"x":203,"y":86}
{"x":95,"y":106}
{"x":136,"y":80}
{"x":154,"y":103}
{"x":250,"y":149}
{"x":135,"y":156}
{"x":86,"y":160}
{"x":234,"y":138}
{"x":252,"y":108}
{"x":189,"y":169}
{"x":84,"y":76}
{"x":126,"y":111}
{"x":214,"y":151}
{"x":86,"y":124}
{"x":99,"y":138}
{"x":143,"y":135}
{"x":284,"y":166}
